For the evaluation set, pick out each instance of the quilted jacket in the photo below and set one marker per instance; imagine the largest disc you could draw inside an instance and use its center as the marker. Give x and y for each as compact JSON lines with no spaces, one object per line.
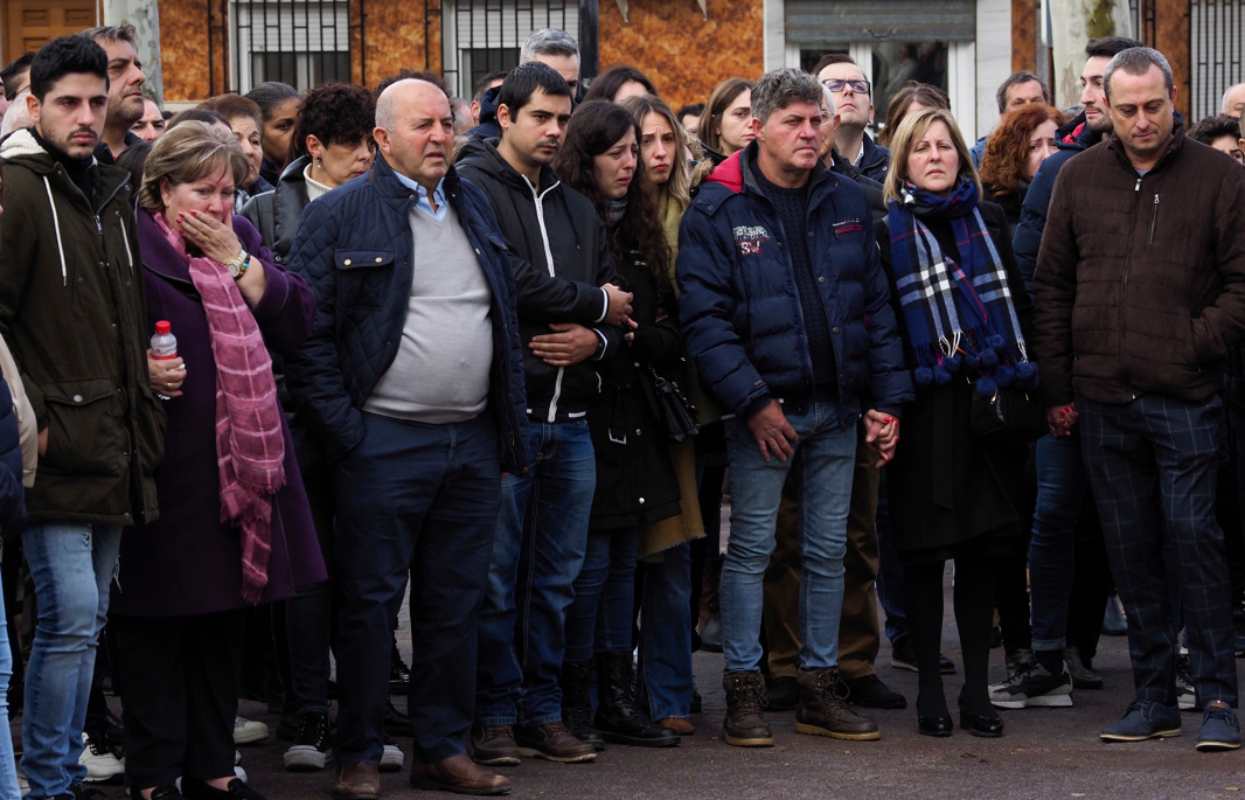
{"x":739,"y":306}
{"x":354,"y":246}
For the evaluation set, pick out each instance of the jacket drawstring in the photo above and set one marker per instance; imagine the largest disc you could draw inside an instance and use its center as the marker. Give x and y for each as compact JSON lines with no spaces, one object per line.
{"x":56,"y":223}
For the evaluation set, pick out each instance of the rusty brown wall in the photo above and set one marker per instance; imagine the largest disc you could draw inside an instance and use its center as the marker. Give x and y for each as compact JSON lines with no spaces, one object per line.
{"x":683,"y":53}
{"x":395,"y":38}
{"x":185,"y":53}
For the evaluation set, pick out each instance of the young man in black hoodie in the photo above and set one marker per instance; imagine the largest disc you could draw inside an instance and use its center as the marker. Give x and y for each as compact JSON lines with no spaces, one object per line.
{"x":545,"y":512}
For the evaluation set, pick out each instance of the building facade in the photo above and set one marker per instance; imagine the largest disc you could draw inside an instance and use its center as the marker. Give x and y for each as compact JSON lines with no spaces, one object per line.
{"x":965,"y":46}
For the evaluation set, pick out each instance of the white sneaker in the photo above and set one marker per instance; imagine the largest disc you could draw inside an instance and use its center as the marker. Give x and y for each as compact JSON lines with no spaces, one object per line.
{"x":248,"y":731}
{"x":391,"y":759}
{"x":101,"y":763}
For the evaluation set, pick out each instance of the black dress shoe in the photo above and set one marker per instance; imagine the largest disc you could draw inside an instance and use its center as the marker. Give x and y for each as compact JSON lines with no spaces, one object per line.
{"x":989,"y":726}
{"x":939,"y":726}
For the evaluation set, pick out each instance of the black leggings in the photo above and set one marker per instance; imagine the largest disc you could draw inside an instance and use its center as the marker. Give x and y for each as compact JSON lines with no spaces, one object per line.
{"x":974,"y":616}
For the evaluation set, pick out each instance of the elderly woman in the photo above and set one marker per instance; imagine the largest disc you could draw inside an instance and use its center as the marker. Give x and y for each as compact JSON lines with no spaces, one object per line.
{"x":236,"y":529}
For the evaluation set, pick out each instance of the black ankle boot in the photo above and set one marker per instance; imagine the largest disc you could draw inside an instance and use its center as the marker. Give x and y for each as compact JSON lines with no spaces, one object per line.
{"x":577,"y":703}
{"x":617,"y":717}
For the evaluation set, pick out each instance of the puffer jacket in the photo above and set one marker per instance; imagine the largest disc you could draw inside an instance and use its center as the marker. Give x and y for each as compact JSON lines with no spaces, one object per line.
{"x":1140,"y":281}
{"x":73,"y":313}
{"x":561,"y":259}
{"x":875,"y":161}
{"x":275,"y":213}
{"x":354,"y":246}
{"x":740,"y":310}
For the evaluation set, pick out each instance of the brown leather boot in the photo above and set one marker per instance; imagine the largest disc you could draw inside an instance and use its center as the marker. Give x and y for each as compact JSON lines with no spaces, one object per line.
{"x":824,"y":710}
{"x":494,"y":747}
{"x":459,"y":774}
{"x":744,"y":725}
{"x":553,"y":742}
{"x":358,"y":781}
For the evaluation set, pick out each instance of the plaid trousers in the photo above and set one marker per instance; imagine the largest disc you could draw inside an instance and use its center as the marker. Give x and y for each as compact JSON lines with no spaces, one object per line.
{"x":1152,"y":464}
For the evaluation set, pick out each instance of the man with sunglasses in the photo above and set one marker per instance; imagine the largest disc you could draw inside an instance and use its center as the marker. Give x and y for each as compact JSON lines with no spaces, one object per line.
{"x":853,"y":98}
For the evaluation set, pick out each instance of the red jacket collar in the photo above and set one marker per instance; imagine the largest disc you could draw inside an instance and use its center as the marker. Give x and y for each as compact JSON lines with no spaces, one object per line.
{"x":730,"y":173}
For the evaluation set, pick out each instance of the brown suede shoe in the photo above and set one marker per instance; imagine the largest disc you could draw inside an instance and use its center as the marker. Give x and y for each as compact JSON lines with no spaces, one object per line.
{"x":358,"y":781}
{"x":459,"y":774}
{"x":678,"y":726}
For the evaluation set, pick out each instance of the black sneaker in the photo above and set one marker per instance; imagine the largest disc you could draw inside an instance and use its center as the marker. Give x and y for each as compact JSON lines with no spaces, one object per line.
{"x":903,"y":656}
{"x":312,"y":746}
{"x":1032,"y":688}
{"x":1186,"y":695}
{"x":399,"y":673}
{"x":868,"y":691}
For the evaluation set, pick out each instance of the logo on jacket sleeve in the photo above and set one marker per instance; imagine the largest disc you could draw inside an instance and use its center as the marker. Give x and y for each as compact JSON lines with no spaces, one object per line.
{"x":749,"y":238}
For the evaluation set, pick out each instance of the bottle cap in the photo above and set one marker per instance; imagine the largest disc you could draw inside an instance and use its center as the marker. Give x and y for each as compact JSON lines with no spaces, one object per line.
{"x":163,"y":327}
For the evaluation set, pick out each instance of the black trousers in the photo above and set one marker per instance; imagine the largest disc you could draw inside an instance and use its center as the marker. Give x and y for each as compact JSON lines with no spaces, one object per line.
{"x":179,"y":692}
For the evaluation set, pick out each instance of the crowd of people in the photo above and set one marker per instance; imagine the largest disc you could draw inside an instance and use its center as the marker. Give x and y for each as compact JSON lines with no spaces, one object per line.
{"x":505,"y":358}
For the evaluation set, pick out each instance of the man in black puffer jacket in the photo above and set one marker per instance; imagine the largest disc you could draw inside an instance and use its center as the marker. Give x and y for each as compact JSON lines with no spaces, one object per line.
{"x":551,"y":227}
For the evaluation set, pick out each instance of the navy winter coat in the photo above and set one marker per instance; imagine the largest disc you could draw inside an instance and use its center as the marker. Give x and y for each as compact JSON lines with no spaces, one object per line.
{"x":354,"y":247}
{"x":739,"y":305}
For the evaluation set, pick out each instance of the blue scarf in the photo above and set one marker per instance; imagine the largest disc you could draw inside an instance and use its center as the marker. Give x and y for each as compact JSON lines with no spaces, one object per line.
{"x":957,"y":308}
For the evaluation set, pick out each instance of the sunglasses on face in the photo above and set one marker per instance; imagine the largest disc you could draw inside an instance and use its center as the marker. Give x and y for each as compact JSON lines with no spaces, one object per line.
{"x":837,"y":85}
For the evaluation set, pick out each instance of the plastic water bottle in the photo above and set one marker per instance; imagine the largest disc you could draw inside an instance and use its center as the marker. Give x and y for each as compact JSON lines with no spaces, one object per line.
{"x":163,"y":345}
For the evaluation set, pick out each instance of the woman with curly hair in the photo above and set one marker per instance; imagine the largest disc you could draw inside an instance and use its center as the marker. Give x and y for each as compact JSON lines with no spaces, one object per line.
{"x":636,"y":485}
{"x":332,"y":144}
{"x":1022,"y":141}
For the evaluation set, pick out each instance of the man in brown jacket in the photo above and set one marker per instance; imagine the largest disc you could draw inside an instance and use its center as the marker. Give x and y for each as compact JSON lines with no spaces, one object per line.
{"x":1140,"y":290}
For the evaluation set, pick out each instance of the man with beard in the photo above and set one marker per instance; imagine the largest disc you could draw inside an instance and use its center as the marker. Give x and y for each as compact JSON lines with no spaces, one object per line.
{"x":73,"y":313}
{"x":125,"y":86}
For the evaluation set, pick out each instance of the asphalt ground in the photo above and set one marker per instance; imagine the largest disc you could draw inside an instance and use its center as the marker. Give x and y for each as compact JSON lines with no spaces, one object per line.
{"x":1045,"y":753}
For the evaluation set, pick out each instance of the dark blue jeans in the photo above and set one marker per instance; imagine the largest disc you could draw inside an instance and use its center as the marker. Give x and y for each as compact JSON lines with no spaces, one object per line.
{"x":1062,"y":487}
{"x":420,"y":499}
{"x":600,"y":618}
{"x":890,"y":581}
{"x":666,"y":633}
{"x":1152,"y":466}
{"x":542,"y":533}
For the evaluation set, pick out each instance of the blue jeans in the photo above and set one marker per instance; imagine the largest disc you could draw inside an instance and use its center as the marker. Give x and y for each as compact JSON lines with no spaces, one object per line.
{"x":421,"y":501}
{"x":72,"y":565}
{"x":1153,"y":466}
{"x":8,"y":769}
{"x":828,"y":449}
{"x":666,"y":633}
{"x":542,"y":534}
{"x":1061,"y":490}
{"x":599,"y":620}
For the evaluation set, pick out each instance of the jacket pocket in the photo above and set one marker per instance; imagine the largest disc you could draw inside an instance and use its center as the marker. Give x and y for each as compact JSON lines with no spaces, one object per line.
{"x":86,"y":435}
{"x":363,"y":276}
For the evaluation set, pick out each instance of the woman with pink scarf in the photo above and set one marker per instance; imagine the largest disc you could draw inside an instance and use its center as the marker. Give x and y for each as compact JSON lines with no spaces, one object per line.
{"x":235,"y":529}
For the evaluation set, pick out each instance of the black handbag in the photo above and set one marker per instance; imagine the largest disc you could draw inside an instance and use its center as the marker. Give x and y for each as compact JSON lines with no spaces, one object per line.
{"x":677,"y":413}
{"x":1010,"y":412}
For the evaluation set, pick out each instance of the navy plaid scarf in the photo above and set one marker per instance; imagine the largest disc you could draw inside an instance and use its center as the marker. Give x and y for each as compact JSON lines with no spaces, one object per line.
{"x":957,"y":308}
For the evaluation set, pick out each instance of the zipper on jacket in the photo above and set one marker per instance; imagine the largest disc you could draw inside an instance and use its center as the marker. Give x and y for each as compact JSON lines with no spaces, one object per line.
{"x":1137,"y":187}
{"x":1154,"y":220}
{"x":539,"y":199}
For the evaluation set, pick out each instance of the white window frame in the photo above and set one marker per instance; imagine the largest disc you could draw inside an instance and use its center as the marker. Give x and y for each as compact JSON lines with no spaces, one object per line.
{"x":505,"y":36}
{"x":302,"y":43}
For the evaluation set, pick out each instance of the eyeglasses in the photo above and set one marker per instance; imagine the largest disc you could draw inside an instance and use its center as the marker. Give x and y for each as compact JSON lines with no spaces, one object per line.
{"x":837,"y":85}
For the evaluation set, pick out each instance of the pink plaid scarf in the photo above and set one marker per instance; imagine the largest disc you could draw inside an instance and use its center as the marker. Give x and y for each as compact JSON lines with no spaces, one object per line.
{"x":250,"y":443}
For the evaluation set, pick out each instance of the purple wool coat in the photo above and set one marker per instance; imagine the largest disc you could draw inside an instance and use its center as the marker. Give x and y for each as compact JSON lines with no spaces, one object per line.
{"x":188,"y":562}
